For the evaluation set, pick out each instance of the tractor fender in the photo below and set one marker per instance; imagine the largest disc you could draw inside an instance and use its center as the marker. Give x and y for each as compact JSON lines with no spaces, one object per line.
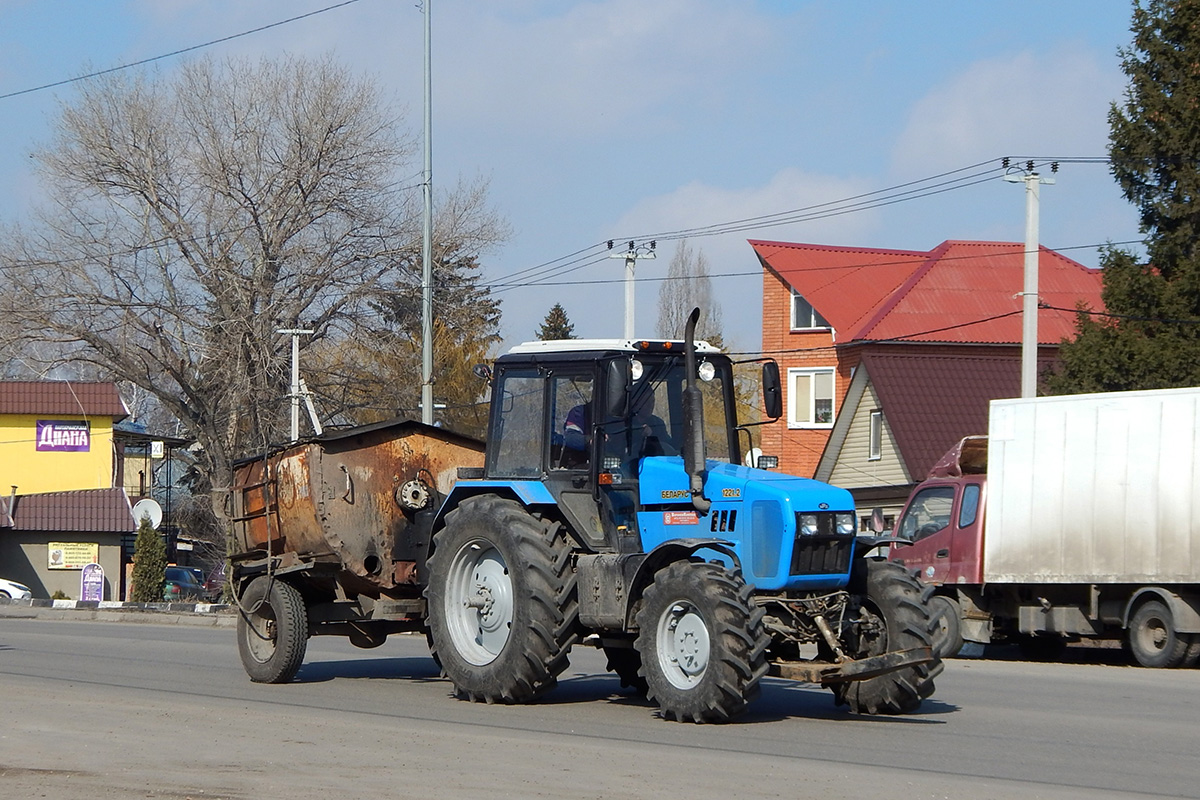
{"x":530,"y":494}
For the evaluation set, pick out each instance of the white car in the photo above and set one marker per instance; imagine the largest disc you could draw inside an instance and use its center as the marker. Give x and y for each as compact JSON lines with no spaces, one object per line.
{"x":14,"y":590}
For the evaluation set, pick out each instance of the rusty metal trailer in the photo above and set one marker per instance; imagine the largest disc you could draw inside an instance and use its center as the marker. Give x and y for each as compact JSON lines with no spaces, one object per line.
{"x":346,"y":516}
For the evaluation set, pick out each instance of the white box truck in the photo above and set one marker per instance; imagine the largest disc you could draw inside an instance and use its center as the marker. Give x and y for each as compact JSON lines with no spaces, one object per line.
{"x":1075,"y":517}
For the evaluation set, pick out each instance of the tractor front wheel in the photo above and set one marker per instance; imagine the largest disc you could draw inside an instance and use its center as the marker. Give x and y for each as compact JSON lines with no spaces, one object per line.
{"x":702,"y":642}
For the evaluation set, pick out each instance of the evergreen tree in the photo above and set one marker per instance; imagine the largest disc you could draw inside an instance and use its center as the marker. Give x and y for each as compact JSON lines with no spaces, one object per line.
{"x":556,"y":325}
{"x":149,"y":564}
{"x":1153,"y":338}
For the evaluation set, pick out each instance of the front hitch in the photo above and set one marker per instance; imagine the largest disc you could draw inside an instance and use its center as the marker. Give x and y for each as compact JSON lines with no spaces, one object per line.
{"x":861,"y":669}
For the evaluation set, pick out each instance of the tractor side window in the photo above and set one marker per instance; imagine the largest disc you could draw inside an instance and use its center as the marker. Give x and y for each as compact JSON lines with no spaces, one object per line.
{"x":571,"y":421}
{"x":519,"y":428}
{"x":928,"y":513}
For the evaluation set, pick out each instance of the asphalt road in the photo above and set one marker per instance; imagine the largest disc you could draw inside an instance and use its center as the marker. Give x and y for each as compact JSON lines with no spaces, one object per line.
{"x":116,"y":710}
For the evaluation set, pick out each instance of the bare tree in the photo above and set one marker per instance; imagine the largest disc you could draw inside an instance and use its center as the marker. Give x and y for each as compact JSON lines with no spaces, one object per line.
{"x":192,"y":217}
{"x":688,"y":286}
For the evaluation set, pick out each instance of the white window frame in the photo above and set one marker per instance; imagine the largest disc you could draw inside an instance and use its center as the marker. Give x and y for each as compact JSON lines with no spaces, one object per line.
{"x":875,"y":436}
{"x":793,"y":398}
{"x":814,"y":322}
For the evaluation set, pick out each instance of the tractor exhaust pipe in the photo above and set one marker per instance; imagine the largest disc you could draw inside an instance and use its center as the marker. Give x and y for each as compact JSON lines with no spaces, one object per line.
{"x":694,"y":456}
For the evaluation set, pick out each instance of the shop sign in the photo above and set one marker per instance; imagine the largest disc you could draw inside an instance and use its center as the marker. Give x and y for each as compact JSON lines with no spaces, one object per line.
{"x":72,"y":555}
{"x":63,"y":436}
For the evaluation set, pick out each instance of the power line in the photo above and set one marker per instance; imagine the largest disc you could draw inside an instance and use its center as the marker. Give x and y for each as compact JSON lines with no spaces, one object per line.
{"x":173,"y":53}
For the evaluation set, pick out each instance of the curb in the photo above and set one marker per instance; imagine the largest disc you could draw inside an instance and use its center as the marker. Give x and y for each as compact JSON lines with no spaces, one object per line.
{"x":212,"y":614}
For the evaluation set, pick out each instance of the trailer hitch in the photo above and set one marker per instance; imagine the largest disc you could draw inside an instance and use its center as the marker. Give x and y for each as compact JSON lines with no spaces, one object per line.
{"x":857,"y":670}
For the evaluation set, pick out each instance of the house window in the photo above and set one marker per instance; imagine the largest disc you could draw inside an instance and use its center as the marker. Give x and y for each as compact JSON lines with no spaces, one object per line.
{"x":810,"y":398}
{"x":875,"y":451}
{"x":804,"y":316}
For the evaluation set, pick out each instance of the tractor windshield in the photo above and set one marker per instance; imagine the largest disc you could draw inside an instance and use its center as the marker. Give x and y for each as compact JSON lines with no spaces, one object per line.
{"x":655,"y":423}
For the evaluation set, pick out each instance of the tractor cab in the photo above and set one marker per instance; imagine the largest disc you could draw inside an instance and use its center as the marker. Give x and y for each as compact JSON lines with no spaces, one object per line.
{"x":584,"y":418}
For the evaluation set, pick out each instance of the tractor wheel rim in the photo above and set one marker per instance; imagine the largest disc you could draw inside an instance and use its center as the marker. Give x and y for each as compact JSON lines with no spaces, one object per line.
{"x":683,"y":645}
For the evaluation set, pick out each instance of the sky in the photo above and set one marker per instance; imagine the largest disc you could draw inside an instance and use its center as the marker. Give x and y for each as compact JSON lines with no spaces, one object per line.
{"x":628,"y":120}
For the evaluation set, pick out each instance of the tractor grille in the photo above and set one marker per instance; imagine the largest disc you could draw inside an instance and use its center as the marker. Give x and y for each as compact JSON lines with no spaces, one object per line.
{"x":824,"y":553}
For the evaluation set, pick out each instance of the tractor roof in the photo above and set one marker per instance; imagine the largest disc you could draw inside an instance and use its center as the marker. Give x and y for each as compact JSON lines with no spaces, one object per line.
{"x":607,"y":346}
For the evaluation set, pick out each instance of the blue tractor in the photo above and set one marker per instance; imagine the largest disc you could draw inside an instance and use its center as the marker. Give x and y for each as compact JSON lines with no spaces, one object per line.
{"x":613,"y":509}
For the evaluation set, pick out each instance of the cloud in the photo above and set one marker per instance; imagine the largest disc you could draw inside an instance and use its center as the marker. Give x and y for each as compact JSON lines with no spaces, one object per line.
{"x":1052,"y":104}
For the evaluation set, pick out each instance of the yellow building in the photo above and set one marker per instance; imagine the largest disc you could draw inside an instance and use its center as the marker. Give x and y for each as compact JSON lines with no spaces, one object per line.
{"x":57,"y":436}
{"x":64,"y":516}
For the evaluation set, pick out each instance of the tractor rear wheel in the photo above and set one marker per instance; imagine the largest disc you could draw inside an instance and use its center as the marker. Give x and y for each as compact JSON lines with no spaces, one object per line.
{"x":272,"y":630}
{"x":502,"y":601}
{"x":892,"y":616}
{"x":702,"y":642}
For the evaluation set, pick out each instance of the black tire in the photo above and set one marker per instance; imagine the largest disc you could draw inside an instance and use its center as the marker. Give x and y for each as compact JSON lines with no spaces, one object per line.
{"x":1153,"y":639}
{"x":272,"y":630}
{"x":626,"y":662}
{"x":702,"y":642}
{"x":502,"y":599}
{"x":893,"y":614}
{"x":947,"y":626}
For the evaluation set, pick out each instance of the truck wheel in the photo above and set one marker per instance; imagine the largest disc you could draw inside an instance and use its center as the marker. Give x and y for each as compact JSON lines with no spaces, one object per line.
{"x":702,"y":642}
{"x":892,"y":616}
{"x":1152,"y":637}
{"x":947,"y":626}
{"x":626,"y":662}
{"x":272,"y":630}
{"x":502,"y":601}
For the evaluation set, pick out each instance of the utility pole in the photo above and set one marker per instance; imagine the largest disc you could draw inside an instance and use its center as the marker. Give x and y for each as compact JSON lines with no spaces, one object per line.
{"x":295,"y":393}
{"x":631,"y":256}
{"x":1029,"y":306}
{"x":427,"y":237}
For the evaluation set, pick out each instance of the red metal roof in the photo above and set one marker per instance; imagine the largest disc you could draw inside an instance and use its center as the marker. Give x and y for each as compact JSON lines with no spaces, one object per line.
{"x":931,"y":401}
{"x":965,"y":292}
{"x":85,"y":398}
{"x":85,"y":510}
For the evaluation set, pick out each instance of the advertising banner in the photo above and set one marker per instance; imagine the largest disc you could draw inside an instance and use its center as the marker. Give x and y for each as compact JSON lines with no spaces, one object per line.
{"x":91,"y":582}
{"x":72,"y":555}
{"x":63,"y":436}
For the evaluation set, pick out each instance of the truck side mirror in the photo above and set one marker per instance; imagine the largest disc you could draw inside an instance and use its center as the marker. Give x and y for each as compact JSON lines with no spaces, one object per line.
{"x":877,"y":520}
{"x":616,"y":392}
{"x":772,"y":390}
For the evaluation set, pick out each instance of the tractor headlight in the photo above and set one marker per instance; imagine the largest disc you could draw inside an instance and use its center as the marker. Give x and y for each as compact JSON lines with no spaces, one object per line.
{"x":706,"y":371}
{"x":845,"y":524}
{"x":808,"y":524}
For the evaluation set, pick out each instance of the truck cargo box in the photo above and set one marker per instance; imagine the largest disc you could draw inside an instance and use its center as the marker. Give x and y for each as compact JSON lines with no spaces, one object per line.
{"x":1099,"y":488}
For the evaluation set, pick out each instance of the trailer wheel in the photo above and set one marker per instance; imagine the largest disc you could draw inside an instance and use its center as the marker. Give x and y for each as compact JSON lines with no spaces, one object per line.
{"x":502,"y":601}
{"x":626,"y":662}
{"x":947,"y":626}
{"x":702,"y":642}
{"x":1153,"y":639}
{"x":272,"y":630}
{"x":891,"y":616}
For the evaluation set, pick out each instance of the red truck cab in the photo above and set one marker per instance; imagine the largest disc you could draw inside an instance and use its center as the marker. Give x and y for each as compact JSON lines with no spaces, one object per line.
{"x":942,"y":523}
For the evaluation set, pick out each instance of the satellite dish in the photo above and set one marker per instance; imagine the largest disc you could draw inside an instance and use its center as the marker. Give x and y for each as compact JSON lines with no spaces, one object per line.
{"x":752,"y":457}
{"x":148,"y":508}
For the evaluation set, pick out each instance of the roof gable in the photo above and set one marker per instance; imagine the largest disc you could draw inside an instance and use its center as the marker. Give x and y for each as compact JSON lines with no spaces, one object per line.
{"x":932,"y":401}
{"x":81,"y":398}
{"x":968,"y":292}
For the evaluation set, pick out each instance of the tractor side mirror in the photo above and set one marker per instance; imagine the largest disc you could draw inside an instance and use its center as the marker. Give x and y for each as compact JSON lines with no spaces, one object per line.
{"x":616,"y":397}
{"x":772,"y":390}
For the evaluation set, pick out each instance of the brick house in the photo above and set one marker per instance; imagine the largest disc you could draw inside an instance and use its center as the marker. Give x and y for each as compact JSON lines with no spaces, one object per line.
{"x":950,"y":316}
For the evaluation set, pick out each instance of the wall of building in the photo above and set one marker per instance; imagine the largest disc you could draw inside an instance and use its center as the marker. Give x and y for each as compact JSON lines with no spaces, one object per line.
{"x":25,"y":558}
{"x":33,"y":471}
{"x":799,"y":449}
